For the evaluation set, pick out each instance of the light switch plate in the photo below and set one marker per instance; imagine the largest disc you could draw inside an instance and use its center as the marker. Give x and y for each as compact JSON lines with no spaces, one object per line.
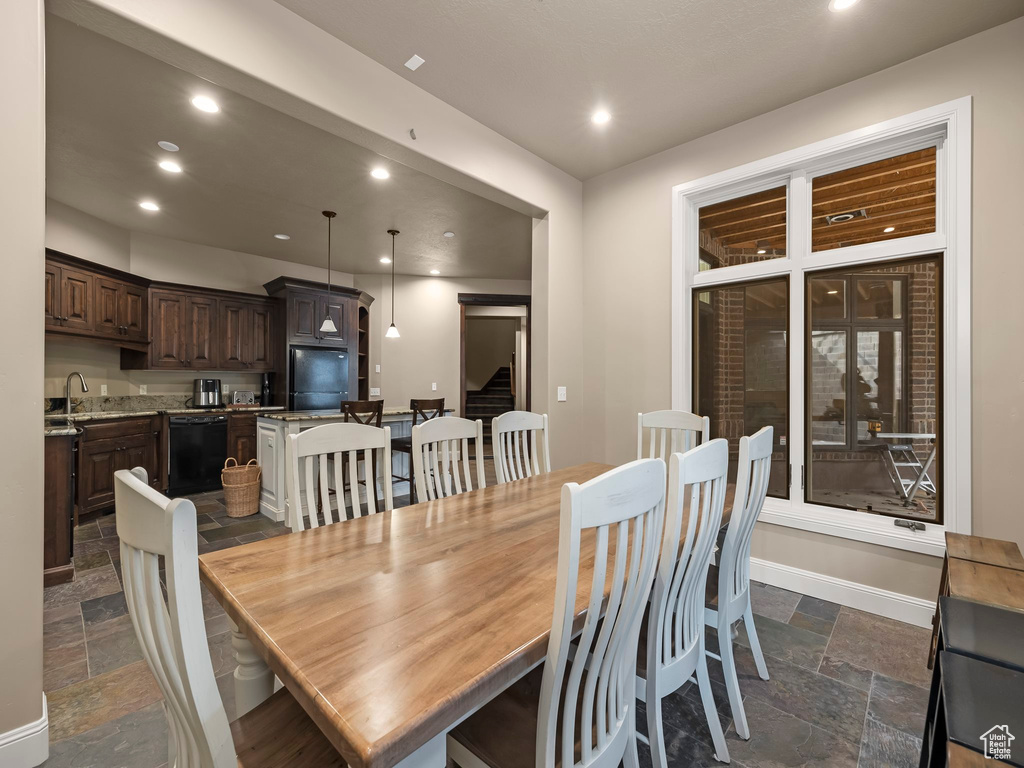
{"x":433,"y":386}
{"x":374,"y":391}
{"x":143,"y":389}
{"x":103,"y":389}
{"x":378,"y":368}
{"x":561,"y":394}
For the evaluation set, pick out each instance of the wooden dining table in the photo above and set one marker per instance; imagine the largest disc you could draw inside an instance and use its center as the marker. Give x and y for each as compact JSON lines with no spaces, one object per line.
{"x":392,"y":628}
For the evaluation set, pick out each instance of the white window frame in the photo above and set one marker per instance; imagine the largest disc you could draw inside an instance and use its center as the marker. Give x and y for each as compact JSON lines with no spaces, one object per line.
{"x":947,"y":126}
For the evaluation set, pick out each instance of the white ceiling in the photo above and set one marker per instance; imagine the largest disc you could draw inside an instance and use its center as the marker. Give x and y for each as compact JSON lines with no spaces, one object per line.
{"x":249,"y":172}
{"x":668,"y":70}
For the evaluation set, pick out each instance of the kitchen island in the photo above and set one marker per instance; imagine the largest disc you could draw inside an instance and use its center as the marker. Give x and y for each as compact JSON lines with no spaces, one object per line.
{"x":272,"y":430}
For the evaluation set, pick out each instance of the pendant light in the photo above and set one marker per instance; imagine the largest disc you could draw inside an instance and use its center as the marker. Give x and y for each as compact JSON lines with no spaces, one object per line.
{"x":393,"y":330}
{"x":328,"y":325}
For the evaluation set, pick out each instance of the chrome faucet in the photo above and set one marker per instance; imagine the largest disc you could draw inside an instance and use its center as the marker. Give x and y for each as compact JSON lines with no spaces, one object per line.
{"x":67,"y":391}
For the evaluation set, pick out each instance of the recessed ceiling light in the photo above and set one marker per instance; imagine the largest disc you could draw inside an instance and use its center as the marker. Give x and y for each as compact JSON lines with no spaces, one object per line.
{"x":415,"y":62}
{"x":283,"y":237}
{"x":761,"y":251}
{"x":380,"y":173}
{"x":205,"y":103}
{"x":149,"y":205}
{"x":887,"y":230}
{"x":169,"y":146}
{"x":449,"y":233}
{"x":170,"y":166}
{"x":435,"y":271}
{"x":385,"y":259}
{"x":600,"y":117}
{"x":840,"y":5}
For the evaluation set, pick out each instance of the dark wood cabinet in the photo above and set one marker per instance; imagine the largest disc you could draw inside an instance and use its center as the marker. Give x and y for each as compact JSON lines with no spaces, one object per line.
{"x":303,"y":318}
{"x":107,"y":446}
{"x":167,"y":320}
{"x":58,"y":508}
{"x":201,"y":330}
{"x":242,"y":436}
{"x":85,"y":299}
{"x":51,"y":301}
{"x":133,"y":312}
{"x":247,"y":336}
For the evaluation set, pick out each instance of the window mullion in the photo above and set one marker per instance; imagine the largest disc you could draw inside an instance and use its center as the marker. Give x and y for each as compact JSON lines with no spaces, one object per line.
{"x":799,"y":247}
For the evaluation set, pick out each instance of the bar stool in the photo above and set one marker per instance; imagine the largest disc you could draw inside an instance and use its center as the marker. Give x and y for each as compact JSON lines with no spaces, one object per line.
{"x":364,"y":412}
{"x":422,"y":410}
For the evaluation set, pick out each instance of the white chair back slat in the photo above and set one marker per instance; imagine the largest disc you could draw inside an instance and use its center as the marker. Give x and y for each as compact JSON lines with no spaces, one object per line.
{"x":752,"y":476}
{"x":625,"y":509}
{"x":675,"y":649}
{"x":322,"y":456}
{"x":670,"y":432}
{"x":519,"y":442}
{"x":171,"y":631}
{"x":441,"y":457}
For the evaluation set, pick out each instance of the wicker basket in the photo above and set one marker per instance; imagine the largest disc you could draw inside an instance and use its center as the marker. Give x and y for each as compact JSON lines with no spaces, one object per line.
{"x":241,"y":487}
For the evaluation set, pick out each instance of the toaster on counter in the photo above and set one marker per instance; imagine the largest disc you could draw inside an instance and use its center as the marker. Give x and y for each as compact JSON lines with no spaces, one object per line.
{"x":243,"y":397}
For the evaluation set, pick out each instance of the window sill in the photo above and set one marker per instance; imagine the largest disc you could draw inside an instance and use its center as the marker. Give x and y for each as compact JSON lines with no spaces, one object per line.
{"x":858,"y":526}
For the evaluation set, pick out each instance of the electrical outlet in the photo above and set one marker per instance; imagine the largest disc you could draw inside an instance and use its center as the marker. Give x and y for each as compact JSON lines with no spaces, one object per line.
{"x":374,"y":391}
{"x":433,"y":386}
{"x":103,"y":389}
{"x":143,"y":389}
{"x":224,"y":388}
{"x":561,"y":394}
{"x":378,"y":368}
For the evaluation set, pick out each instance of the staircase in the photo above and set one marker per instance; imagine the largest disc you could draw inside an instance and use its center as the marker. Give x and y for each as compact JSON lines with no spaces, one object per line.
{"x":493,"y":400}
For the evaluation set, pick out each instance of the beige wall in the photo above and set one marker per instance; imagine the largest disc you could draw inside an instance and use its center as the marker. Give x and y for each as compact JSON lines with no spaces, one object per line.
{"x":77,"y":233}
{"x":490,"y":343}
{"x":176,"y":261}
{"x":427,"y":316}
{"x":22,"y":158}
{"x":627,"y":231}
{"x":260,"y":49}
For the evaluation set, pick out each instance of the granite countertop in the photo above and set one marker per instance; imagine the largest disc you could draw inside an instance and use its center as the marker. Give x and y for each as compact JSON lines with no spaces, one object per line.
{"x":329,"y":415}
{"x":59,"y":431}
{"x":106,"y":415}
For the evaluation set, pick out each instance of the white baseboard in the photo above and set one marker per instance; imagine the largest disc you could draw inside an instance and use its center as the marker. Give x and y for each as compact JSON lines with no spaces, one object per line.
{"x":28,"y":745}
{"x":892,"y":605}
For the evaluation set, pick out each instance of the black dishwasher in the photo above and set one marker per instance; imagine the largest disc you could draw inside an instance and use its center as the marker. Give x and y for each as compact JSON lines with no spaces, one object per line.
{"x":198,"y":448}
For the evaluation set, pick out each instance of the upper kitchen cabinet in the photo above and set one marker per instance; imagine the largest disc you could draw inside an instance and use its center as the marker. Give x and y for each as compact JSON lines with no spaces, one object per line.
{"x":86,"y":299}
{"x":308,"y":303}
{"x":246,"y":335}
{"x":200,"y":329}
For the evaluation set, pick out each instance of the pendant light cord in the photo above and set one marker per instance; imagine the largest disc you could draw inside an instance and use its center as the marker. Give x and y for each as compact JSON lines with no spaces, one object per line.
{"x":393,"y":233}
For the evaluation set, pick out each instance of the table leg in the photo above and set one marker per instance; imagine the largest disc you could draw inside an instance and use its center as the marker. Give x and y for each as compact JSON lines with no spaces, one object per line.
{"x":254,"y":682}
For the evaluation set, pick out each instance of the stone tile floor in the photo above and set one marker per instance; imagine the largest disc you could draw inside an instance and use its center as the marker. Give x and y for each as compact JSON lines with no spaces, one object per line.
{"x":847,"y":688}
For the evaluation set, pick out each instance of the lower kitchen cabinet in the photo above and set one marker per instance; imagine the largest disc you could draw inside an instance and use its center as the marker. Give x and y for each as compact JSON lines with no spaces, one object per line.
{"x":58,"y":508}
{"x":107,"y":446}
{"x":242,"y":436}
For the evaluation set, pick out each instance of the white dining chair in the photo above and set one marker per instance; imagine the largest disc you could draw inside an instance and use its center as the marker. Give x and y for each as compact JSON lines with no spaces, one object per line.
{"x":439,"y":446}
{"x":316,"y":469}
{"x":172,"y":634}
{"x":519,"y":442}
{"x":583,"y":698}
{"x":731,"y":602}
{"x":675,"y":628}
{"x":670,"y":432}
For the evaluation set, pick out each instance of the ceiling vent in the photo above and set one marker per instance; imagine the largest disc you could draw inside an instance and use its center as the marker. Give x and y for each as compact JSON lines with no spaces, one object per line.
{"x":839,"y":218}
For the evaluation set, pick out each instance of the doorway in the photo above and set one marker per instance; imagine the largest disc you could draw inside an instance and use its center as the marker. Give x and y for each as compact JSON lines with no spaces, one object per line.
{"x":494,"y":355}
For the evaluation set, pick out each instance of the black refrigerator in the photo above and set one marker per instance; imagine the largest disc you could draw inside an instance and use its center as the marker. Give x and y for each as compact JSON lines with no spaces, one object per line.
{"x":319,"y":379}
